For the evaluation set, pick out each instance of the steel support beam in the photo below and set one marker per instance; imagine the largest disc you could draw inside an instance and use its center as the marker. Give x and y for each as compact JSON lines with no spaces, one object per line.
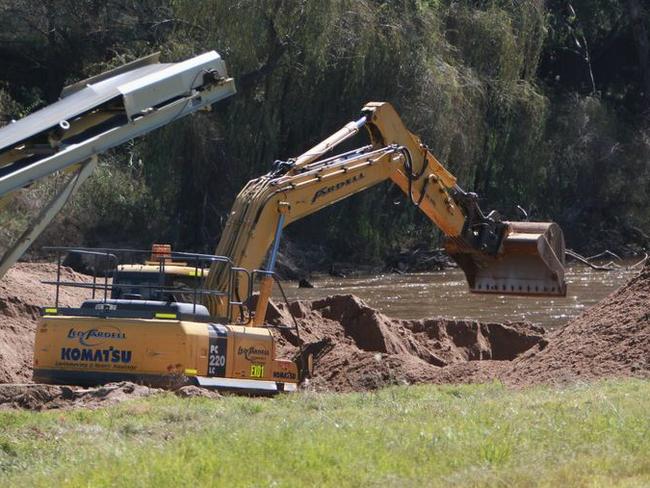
{"x":45,"y":216}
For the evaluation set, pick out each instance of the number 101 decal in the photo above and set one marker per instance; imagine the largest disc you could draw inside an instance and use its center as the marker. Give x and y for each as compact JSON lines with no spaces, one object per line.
{"x":217,"y":350}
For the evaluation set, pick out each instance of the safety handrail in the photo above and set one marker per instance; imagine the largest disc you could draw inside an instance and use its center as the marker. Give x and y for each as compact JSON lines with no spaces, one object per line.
{"x":197,"y":262}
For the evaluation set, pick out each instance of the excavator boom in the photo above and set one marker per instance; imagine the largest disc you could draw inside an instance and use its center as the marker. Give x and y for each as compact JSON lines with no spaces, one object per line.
{"x":522,"y":258}
{"x":151,"y":324}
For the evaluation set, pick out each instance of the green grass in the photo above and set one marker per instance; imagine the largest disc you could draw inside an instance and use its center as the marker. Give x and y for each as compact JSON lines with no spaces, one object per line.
{"x":586,"y":435}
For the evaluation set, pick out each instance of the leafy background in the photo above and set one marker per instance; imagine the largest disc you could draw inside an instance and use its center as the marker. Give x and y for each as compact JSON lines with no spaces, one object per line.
{"x":540,"y":104}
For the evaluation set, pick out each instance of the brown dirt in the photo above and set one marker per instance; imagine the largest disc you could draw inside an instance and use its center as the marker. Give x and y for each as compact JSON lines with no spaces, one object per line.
{"x":21,"y":295}
{"x":611,"y":339}
{"x":48,"y":397}
{"x":358,"y":348}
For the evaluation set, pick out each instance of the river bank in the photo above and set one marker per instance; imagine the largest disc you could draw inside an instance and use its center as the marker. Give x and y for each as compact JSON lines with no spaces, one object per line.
{"x":444,"y":293}
{"x":357,"y":347}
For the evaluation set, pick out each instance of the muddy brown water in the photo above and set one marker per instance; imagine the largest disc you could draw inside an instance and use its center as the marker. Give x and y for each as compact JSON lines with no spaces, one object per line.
{"x":444,"y":293}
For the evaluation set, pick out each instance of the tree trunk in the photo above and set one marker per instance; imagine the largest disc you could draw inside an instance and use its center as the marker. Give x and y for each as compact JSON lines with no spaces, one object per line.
{"x":640,"y":31}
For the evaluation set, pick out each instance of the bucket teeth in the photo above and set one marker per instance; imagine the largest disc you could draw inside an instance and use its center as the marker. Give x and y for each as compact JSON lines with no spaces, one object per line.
{"x":530,"y":262}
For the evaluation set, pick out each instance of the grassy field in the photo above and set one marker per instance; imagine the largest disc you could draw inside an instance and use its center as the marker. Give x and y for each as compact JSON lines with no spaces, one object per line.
{"x":586,"y":435}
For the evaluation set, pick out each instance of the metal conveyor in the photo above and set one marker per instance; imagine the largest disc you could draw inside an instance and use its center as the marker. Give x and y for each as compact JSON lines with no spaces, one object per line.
{"x":95,"y":115}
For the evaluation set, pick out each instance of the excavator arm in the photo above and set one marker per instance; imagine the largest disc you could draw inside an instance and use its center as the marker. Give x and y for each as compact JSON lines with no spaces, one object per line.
{"x":496,"y":256}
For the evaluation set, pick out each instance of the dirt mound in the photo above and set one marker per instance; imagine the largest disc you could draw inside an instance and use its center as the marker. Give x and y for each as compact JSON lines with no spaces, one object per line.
{"x":46,"y":397}
{"x":358,"y":348}
{"x":191,"y":391}
{"x":21,"y":295}
{"x":612,"y":339}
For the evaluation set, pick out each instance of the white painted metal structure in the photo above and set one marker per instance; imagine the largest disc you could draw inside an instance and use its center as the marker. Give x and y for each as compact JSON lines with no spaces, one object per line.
{"x":98,"y":114}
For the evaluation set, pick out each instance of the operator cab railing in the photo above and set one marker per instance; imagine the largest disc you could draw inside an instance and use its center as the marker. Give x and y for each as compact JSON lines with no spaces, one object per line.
{"x":154,"y":283}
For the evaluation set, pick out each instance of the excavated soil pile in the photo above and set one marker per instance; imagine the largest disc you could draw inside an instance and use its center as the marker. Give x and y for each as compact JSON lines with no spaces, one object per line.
{"x":21,"y":295}
{"x":47,"y":397}
{"x":612,"y":339}
{"x":358,"y":348}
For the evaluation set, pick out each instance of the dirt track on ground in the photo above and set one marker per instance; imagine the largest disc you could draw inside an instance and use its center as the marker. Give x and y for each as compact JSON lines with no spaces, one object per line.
{"x":358,"y":348}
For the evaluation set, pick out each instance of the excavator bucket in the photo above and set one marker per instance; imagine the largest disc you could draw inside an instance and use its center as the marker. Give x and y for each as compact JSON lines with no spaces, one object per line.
{"x":530,"y":262}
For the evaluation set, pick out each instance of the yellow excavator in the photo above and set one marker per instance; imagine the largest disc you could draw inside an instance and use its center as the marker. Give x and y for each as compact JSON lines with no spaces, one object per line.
{"x":154,"y":329}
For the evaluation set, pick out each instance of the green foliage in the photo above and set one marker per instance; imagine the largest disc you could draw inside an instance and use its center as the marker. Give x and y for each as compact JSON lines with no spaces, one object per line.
{"x":479,"y":80}
{"x":597,"y":173}
{"x":118,"y":204}
{"x":9,"y":109}
{"x":109,"y":209}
